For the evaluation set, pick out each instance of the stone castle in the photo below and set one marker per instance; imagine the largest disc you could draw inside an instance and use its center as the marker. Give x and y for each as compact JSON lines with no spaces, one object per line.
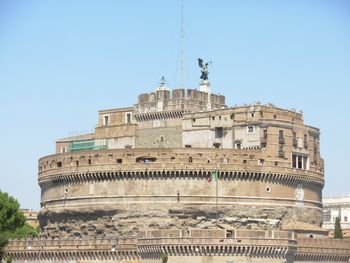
{"x":183,"y":175}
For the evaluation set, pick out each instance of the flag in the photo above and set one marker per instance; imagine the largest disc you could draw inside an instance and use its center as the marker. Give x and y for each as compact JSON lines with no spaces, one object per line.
{"x":214,"y":175}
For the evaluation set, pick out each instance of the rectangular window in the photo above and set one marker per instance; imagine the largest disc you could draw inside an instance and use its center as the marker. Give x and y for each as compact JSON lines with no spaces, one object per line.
{"x":250,"y":129}
{"x":281,"y":152}
{"x":295,"y":141}
{"x":300,"y":161}
{"x":280,"y":134}
{"x":265,"y":134}
{"x":63,"y":149}
{"x":281,"y":137}
{"x":128,"y":118}
{"x":238,"y":145}
{"x":345,"y":219}
{"x":218,"y":132}
{"x":294,"y":161}
{"x":305,"y":141}
{"x":106,"y":120}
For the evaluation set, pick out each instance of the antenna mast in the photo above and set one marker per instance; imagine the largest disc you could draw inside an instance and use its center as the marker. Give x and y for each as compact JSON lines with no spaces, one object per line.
{"x":181,"y":46}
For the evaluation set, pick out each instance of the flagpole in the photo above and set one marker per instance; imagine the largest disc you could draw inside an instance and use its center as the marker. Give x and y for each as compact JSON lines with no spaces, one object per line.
{"x":217,"y":196}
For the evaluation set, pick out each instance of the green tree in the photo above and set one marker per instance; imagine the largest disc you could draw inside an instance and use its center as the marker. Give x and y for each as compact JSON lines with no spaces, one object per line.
{"x":12,"y":222}
{"x":338,"y":233}
{"x":10,"y":215}
{"x":3,"y":243}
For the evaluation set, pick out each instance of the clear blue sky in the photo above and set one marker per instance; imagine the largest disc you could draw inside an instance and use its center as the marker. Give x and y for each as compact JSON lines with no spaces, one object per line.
{"x":62,"y":61}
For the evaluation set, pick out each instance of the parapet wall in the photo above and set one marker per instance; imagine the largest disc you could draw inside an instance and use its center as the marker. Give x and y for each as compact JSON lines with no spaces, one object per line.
{"x":193,"y":246}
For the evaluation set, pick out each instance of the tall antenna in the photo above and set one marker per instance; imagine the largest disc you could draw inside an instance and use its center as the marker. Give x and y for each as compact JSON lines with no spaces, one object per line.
{"x":181,"y":46}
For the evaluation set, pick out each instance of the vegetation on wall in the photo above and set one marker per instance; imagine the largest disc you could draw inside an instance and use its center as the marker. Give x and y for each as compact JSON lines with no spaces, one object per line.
{"x":164,"y":258}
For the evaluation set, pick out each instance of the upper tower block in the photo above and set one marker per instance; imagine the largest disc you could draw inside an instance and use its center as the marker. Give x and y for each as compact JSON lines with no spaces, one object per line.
{"x":178,"y":100}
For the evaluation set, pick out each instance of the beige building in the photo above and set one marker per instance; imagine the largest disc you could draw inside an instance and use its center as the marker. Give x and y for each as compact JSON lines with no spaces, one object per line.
{"x":334,"y":207}
{"x":31,"y":217}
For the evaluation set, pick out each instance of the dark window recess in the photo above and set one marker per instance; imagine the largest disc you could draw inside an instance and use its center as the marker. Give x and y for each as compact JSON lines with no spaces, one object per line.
{"x":264,"y":139}
{"x":128,"y":117}
{"x":294,"y":161}
{"x":281,"y":152}
{"x":190,"y":159}
{"x":295,"y":141}
{"x":229,"y":233}
{"x":172,"y":159}
{"x":265,"y":133}
{"x":119,"y":160}
{"x":188,"y":146}
{"x":106,"y":120}
{"x":281,"y":137}
{"x":232,"y":116}
{"x":193,"y":120}
{"x":305,"y":141}
{"x":299,"y":161}
{"x":219,"y":132}
{"x":89,"y":161}
{"x":245,"y":161}
{"x":219,"y":117}
{"x":216,"y":145}
{"x":250,"y":129}
{"x":238,"y":145}
{"x":253,"y":115}
{"x":275,"y":116}
{"x":59,"y":164}
{"x":77,"y":163}
{"x":161,"y":138}
{"x":315,"y":153}
{"x":276,"y":163}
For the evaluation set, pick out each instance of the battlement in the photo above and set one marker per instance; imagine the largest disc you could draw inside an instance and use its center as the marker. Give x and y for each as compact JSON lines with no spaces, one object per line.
{"x":178,"y":99}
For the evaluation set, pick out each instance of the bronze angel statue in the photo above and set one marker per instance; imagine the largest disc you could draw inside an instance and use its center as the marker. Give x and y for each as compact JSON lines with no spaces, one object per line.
{"x":204,"y":69}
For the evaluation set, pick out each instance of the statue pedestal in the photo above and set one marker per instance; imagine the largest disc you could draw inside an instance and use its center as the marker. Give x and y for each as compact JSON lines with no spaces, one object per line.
{"x":204,"y":86}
